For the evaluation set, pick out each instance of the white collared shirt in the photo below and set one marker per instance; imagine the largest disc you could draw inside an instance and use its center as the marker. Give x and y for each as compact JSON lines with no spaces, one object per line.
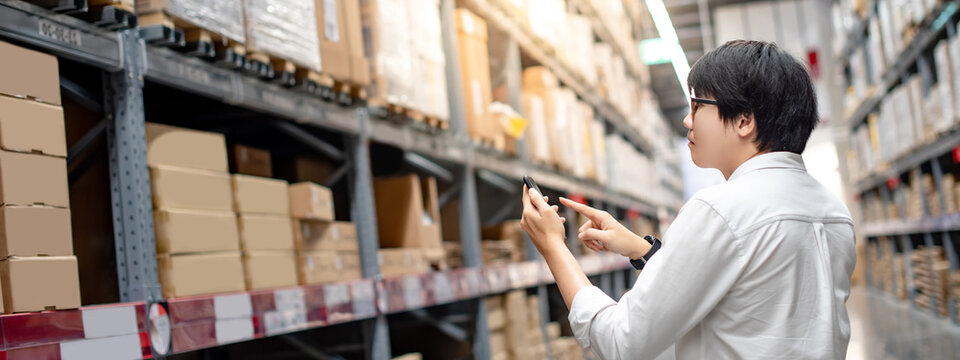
{"x":756,"y":268}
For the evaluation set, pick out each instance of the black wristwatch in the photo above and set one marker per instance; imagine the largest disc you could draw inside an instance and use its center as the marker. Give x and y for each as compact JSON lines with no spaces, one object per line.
{"x":639,"y":263}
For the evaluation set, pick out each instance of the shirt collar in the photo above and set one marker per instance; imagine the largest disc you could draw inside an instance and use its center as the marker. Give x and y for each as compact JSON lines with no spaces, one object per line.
{"x":772,"y":160}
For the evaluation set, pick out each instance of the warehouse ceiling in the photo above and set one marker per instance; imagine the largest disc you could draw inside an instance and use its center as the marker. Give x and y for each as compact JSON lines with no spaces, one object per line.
{"x":692,"y":20}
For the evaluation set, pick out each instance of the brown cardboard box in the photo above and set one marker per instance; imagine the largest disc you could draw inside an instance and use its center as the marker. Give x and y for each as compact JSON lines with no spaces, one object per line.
{"x":265,"y":232}
{"x":344,"y":233}
{"x":318,"y":267}
{"x":401,"y":261}
{"x":197,"y":274}
{"x":192,"y":231}
{"x":33,"y":179}
{"x":332,"y":33}
{"x":181,"y":188}
{"x":250,"y":161}
{"x":350,"y":265}
{"x":408,"y":214}
{"x":257,"y":195}
{"x":511,"y":231}
{"x":306,"y":169}
{"x":35,"y":230}
{"x":498,"y":342}
{"x":496,"y":319}
{"x":310,"y":201}
{"x":40,"y":283}
{"x":359,"y":65}
{"x":31,"y":126}
{"x":29,"y":74}
{"x":475,"y":70}
{"x":553,"y":330}
{"x":515,"y":303}
{"x":325,"y":236}
{"x":269,"y":269}
{"x":185,"y":148}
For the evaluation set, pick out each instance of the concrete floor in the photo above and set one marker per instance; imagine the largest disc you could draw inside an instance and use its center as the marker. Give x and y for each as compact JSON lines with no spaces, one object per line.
{"x":883,"y":328}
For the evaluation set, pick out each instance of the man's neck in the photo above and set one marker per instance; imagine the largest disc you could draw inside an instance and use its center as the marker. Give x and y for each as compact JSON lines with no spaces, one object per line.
{"x":742,"y":157}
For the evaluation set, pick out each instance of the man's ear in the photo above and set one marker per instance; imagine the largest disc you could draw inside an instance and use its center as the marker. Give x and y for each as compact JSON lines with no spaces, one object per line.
{"x":746,"y":126}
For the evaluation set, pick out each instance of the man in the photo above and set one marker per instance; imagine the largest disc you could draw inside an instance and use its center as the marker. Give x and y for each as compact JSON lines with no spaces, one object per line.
{"x":756,"y":267}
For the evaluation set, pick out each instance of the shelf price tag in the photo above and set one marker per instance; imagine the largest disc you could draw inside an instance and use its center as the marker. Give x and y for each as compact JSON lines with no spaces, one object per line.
{"x":364,"y":298}
{"x":412,"y":292}
{"x":442,"y":289}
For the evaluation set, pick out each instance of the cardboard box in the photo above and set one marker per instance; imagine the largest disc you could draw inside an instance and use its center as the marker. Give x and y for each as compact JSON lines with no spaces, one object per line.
{"x":265,"y":232}
{"x":31,"y":126}
{"x":325,"y":236}
{"x":181,"y":188}
{"x":350,"y":268}
{"x":496,"y":319}
{"x":33,"y":179}
{"x":40,"y":283}
{"x":300,"y":169}
{"x":553,"y":330}
{"x":401,"y":261}
{"x":511,"y":231}
{"x":408,"y":215}
{"x":248,"y":160}
{"x":318,"y":267}
{"x":257,"y":195}
{"x":35,"y":230}
{"x":332,"y":34}
{"x":29,"y":74}
{"x":269,"y":269}
{"x":498,"y":342}
{"x":310,"y":201}
{"x":192,"y":231}
{"x":185,"y":148}
{"x":475,"y":70}
{"x":197,"y":274}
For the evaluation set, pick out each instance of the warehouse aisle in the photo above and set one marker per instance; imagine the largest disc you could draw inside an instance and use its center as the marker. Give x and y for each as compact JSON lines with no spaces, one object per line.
{"x":885,"y":329}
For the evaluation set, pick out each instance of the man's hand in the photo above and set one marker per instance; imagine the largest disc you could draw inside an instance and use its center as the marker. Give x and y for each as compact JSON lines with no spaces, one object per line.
{"x":603,"y":233}
{"x":541,"y":222}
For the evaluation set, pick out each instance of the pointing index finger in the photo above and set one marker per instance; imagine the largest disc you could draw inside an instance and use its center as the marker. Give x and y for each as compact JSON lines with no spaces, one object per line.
{"x":589,"y":212}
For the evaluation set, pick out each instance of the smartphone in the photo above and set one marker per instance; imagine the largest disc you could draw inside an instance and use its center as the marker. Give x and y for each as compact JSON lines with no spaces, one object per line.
{"x":531,"y":184}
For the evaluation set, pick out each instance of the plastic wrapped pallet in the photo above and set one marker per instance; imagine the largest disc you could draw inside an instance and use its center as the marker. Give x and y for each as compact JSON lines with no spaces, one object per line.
{"x":538,"y":145}
{"x":548,"y":20}
{"x":945,"y":85}
{"x":390,"y":38}
{"x":403,"y":39}
{"x":599,"y":151}
{"x":284,"y":28}
{"x":579,"y":41}
{"x":222,"y":17}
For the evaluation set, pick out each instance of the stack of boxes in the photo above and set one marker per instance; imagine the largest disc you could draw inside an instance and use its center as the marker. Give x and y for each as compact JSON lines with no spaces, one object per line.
{"x":408,"y":219}
{"x":955,"y":289}
{"x":38,"y":270}
{"x":198,"y":244}
{"x":266,"y":237}
{"x":403,"y":40}
{"x":341,"y":42}
{"x":506,"y":237}
{"x":949,"y":187}
{"x":223,"y":18}
{"x":327,"y":250}
{"x":475,"y":78}
{"x":285,"y":29}
{"x":931,"y":278}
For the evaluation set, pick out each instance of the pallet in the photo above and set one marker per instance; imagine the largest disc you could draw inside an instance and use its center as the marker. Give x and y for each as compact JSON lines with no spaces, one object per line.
{"x":108,"y":14}
{"x":161,"y":29}
{"x":348,"y":94}
{"x":496,"y":143}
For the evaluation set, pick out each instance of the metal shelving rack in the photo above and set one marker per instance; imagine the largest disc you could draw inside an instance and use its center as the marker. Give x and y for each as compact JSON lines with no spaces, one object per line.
{"x":931,"y":230}
{"x":127,"y":63}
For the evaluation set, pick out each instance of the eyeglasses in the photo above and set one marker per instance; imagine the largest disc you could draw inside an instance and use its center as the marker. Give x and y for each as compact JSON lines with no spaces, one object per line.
{"x":696,"y":102}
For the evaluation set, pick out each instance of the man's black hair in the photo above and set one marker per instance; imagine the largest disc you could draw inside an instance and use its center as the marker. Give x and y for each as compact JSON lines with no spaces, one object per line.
{"x":759,"y":78}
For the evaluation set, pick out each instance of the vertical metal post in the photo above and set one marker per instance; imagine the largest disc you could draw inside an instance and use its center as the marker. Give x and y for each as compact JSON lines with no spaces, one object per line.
{"x":451,"y":52}
{"x":952,"y":257}
{"x":469,"y":217}
{"x":937,"y":173}
{"x":363,"y":213}
{"x":130,"y":177}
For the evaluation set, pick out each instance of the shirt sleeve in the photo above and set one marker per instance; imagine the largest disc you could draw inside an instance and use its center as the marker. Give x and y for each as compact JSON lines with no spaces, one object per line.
{"x":698,"y":263}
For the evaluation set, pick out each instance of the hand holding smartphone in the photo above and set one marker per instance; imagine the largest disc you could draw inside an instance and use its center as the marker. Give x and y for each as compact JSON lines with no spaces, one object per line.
{"x":532,"y":184}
